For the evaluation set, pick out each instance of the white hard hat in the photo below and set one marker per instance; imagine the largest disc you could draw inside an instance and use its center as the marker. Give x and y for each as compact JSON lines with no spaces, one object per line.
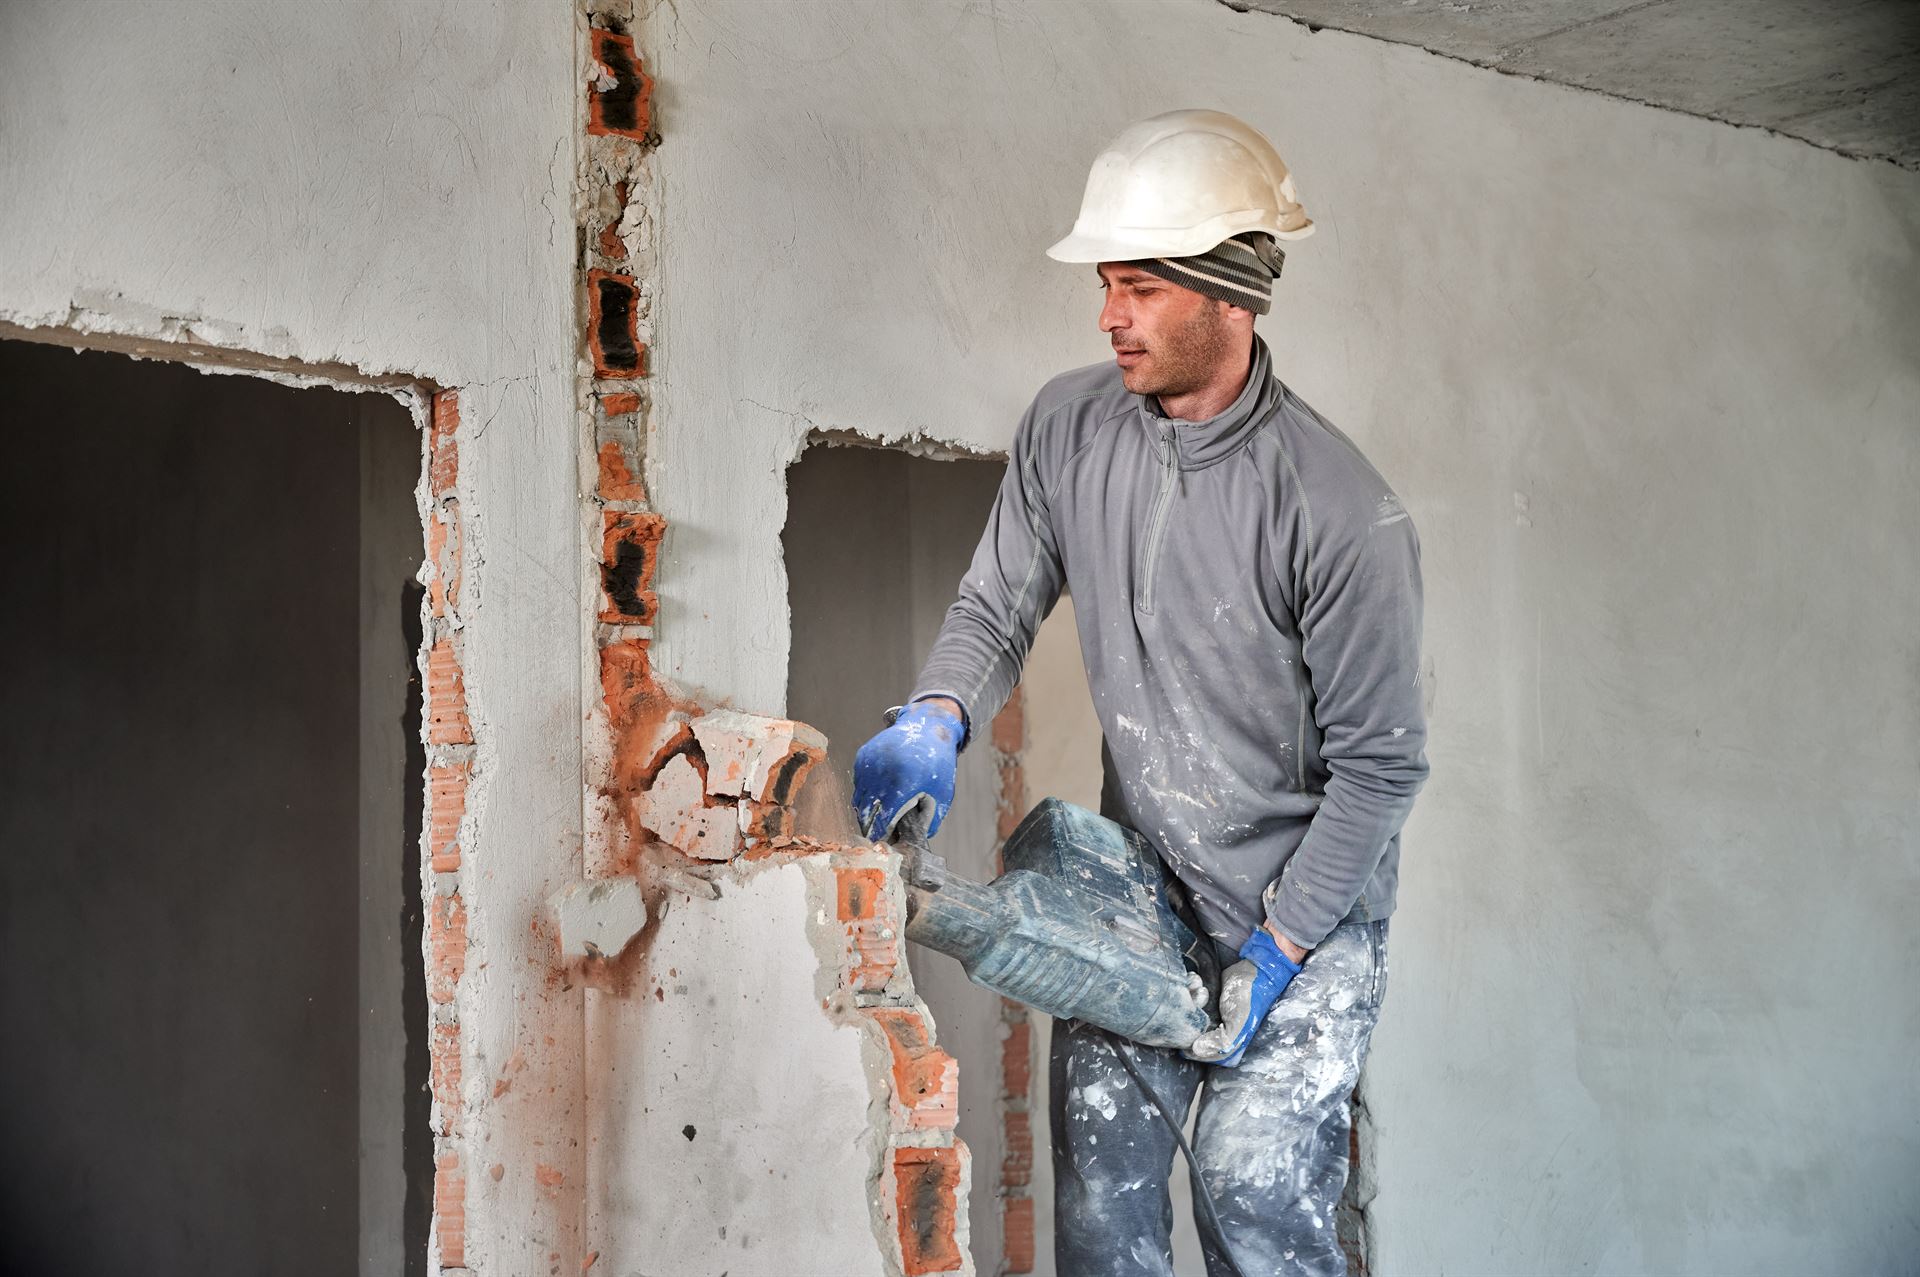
{"x":1178,"y":184}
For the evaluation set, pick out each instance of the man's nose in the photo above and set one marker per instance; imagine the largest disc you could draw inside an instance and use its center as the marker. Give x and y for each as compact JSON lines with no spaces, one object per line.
{"x":1113,"y":314}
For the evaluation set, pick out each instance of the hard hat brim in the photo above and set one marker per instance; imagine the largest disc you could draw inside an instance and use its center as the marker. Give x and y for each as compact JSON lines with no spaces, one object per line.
{"x":1082,"y":247}
{"x":1079,"y":248}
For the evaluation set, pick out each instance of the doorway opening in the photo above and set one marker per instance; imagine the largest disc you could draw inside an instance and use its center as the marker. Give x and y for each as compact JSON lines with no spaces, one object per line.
{"x":210,"y":806}
{"x":876,"y":543}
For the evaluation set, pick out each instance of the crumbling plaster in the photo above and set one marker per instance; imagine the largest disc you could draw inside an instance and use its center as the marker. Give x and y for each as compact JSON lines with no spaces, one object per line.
{"x":374,"y":192}
{"x":1647,"y":383}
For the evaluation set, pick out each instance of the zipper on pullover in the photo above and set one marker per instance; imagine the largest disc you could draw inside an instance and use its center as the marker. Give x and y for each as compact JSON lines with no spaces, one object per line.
{"x":1157,"y":522}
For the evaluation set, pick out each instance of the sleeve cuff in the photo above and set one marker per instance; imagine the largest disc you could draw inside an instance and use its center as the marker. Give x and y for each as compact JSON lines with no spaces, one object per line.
{"x":966,"y":713}
{"x":1295,"y":918}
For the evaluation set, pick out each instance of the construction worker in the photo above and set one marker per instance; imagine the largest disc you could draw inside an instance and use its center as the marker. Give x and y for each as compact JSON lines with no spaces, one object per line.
{"x":1247,"y":589}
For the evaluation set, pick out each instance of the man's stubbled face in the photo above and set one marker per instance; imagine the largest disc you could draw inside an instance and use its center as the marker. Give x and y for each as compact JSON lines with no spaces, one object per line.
{"x":1168,"y":340}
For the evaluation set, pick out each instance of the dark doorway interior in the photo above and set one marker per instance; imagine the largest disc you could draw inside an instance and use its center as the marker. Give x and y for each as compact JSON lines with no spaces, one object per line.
{"x":207,"y":835}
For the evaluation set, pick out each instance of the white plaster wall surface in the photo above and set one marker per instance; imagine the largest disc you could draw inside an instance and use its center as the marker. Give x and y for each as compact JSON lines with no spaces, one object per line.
{"x":1648,"y":385}
{"x":732,"y":1135}
{"x":385,"y":184}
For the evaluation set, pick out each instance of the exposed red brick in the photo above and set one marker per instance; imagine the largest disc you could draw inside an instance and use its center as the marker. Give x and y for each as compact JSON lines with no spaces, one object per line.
{"x":1017,"y":1244}
{"x":613,"y":325}
{"x":619,"y":403}
{"x":872,"y":938}
{"x":629,"y":551}
{"x":1012,"y":807}
{"x":443,"y":558}
{"x":874,"y":953}
{"x":444,"y":1076}
{"x":446,"y":946}
{"x":859,"y":891}
{"x":450,"y":1210}
{"x":1016,"y":1166}
{"x":446,"y":697}
{"x":620,"y":96}
{"x":639,"y":713}
{"x":926,"y":1079}
{"x":549,"y":1178}
{"x":1016,"y":1059}
{"x":1009,"y":739}
{"x":443,"y":452}
{"x":611,"y":245}
{"x":446,"y":807}
{"x":927,"y":1182}
{"x":617,"y":480}
{"x":626,"y":683}
{"x":1010,"y":725}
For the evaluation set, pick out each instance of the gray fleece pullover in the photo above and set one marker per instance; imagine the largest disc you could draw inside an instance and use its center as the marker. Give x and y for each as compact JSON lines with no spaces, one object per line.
{"x":1248,"y":596}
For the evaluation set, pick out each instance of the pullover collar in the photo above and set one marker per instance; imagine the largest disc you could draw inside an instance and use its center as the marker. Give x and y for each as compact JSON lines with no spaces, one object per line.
{"x":1199,"y":444}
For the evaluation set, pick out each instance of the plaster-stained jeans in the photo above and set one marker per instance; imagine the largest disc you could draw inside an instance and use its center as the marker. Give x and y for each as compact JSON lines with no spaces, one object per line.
{"x":1270,"y":1140}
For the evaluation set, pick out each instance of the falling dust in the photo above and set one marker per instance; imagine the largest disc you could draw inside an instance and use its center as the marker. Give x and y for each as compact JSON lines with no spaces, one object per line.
{"x":824,"y":808}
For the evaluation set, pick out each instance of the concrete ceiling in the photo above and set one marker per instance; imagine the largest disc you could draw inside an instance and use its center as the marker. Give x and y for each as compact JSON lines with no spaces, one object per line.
{"x":1843,"y":74}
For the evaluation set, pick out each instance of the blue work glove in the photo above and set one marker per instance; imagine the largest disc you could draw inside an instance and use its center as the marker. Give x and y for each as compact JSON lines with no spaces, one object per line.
{"x":909,"y":764}
{"x":1248,"y":991}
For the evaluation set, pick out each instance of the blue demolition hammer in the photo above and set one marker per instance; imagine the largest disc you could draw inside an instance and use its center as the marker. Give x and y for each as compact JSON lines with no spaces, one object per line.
{"x":1082,"y":924}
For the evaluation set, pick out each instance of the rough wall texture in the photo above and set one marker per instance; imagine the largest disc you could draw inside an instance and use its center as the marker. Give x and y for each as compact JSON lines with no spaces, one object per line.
{"x":1647,"y":384}
{"x":765,"y":1091}
{"x":374,"y":193}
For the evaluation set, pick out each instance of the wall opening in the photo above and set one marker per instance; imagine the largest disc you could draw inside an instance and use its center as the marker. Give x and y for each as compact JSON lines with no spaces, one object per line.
{"x":876,"y":542}
{"x":209,"y":824}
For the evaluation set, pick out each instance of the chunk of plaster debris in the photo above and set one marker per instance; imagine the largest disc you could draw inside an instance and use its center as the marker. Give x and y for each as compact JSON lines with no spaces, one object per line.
{"x":784,"y":759}
{"x":729,"y":740}
{"x":675,"y":809}
{"x":745,"y":753}
{"x":598,"y":919}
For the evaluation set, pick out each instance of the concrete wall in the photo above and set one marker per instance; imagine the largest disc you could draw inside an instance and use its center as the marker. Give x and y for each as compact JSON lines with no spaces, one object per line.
{"x":373,"y":187}
{"x":203,"y":1069}
{"x":1648,"y":385}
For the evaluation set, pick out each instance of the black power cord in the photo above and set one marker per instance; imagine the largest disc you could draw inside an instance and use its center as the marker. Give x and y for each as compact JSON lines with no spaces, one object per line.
{"x":1124,"y":1050}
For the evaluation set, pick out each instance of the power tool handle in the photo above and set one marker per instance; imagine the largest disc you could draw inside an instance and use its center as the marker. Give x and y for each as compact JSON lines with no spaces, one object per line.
{"x":920,"y":864}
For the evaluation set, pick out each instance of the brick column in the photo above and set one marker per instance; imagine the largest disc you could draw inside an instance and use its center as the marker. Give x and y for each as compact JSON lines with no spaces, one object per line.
{"x":450,"y":769}
{"x":1016,"y":1101}
{"x":681,"y":788}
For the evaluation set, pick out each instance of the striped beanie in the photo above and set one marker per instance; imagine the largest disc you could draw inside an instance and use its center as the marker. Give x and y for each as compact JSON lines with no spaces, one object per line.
{"x":1240,"y":270}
